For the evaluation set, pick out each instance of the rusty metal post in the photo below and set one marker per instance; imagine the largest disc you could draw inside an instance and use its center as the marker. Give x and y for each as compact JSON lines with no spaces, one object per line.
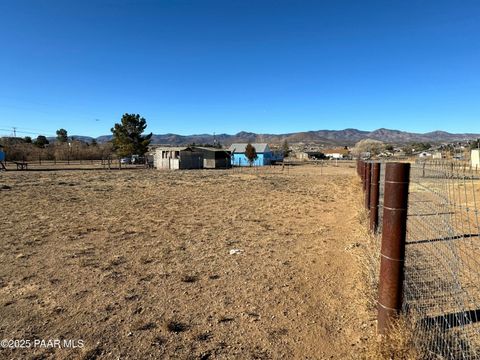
{"x":364,"y":168}
{"x":368,"y":175}
{"x":394,"y":230}
{"x":374,"y":196}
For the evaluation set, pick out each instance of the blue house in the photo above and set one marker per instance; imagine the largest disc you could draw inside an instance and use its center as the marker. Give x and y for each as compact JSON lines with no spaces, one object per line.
{"x":264,"y":154}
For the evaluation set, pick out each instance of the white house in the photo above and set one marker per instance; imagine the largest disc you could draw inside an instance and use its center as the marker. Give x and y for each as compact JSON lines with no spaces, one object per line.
{"x":424,"y":154}
{"x":338,"y":153}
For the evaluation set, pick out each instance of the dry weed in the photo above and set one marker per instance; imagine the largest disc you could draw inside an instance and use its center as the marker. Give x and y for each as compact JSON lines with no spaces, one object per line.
{"x":398,"y":343}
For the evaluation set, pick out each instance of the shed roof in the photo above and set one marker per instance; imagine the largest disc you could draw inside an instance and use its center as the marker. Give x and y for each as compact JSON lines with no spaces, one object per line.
{"x":211,"y":149}
{"x":240,"y":147}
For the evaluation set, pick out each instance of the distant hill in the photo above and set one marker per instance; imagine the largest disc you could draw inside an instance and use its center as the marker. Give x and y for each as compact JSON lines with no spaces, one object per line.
{"x":326,"y":137}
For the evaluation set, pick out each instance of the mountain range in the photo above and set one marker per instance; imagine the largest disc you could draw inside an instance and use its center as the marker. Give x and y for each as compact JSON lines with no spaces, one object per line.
{"x":346,"y":137}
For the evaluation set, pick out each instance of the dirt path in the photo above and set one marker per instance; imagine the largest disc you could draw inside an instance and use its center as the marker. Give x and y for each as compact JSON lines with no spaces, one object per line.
{"x":137,"y":264}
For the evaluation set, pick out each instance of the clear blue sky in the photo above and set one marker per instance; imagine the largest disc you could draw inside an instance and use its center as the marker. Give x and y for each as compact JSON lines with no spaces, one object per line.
{"x":227,"y":65}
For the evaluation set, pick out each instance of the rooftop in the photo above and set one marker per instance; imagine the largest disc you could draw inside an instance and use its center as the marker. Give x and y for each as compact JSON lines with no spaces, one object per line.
{"x":240,"y":147}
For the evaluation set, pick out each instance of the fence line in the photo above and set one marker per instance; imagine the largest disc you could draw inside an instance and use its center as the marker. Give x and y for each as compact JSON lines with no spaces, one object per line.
{"x":441,"y":286}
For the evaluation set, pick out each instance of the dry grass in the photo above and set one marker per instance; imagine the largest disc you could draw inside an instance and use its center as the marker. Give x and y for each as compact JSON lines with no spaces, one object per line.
{"x":398,"y":343}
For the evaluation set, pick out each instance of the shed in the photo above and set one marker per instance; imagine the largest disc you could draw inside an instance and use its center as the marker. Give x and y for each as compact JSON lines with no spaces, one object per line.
{"x":264,"y":154}
{"x":175,"y":158}
{"x":214,"y":158}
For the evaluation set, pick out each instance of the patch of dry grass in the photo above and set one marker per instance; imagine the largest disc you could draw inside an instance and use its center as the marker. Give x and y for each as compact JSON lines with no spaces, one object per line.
{"x":399,"y":343}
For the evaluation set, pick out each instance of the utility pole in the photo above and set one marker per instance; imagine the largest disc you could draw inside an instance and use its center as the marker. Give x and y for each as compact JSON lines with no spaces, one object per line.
{"x":14,"y":131}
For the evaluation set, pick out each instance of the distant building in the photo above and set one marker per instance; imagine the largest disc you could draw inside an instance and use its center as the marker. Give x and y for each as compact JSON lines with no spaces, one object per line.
{"x":214,"y":158}
{"x":475,"y":158}
{"x":175,"y":158}
{"x":337,"y":153}
{"x":437,"y":155}
{"x":265,"y":155}
{"x":424,"y":154}
{"x":310,"y":155}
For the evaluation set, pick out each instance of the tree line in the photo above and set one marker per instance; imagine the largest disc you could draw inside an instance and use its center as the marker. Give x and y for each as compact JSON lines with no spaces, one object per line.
{"x":127,"y":140}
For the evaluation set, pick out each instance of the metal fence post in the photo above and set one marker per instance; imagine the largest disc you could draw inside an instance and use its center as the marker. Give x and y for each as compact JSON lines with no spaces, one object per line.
{"x":361,"y":170}
{"x":368,"y":175}
{"x":374,"y":196}
{"x":394,"y":230}
{"x":364,"y":174}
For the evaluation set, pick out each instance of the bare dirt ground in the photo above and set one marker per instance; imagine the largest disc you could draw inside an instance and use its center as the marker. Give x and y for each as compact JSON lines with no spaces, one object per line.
{"x":137,"y":264}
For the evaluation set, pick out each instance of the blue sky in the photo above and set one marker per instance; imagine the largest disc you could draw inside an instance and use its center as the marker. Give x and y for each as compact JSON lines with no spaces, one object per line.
{"x":226,"y":66}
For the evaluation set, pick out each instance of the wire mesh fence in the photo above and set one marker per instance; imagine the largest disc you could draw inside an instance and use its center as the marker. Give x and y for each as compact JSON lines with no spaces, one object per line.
{"x":442,"y":259}
{"x":441,"y":289}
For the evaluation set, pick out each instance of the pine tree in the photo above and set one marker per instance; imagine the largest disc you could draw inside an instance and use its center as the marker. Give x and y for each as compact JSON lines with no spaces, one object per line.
{"x":127,"y":136}
{"x":62,"y":135}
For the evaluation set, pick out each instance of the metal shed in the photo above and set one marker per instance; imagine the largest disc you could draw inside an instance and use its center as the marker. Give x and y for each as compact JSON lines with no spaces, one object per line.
{"x":214,"y":158}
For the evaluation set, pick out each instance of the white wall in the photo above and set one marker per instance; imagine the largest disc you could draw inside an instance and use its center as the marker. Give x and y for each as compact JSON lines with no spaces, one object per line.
{"x":475,"y":158}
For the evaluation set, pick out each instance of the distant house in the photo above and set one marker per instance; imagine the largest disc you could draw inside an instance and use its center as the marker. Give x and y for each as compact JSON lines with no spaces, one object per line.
{"x":336,"y":153}
{"x":424,"y":154}
{"x":175,"y":158}
{"x":214,"y":158}
{"x":264,"y":154}
{"x":310,"y":155}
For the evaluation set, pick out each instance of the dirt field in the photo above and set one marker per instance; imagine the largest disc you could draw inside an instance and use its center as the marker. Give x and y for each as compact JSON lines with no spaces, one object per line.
{"x":137,"y":264}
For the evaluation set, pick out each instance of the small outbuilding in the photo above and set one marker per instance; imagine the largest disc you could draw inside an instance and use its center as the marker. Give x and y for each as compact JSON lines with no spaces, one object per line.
{"x":177,"y":158}
{"x":264,"y":154}
{"x":214,"y":158}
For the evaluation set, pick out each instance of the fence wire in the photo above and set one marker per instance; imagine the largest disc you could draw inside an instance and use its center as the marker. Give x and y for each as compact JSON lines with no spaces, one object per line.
{"x":442,"y":260}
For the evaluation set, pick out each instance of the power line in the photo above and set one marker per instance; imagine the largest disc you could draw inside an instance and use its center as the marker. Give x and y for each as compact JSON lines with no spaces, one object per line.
{"x":26,"y":132}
